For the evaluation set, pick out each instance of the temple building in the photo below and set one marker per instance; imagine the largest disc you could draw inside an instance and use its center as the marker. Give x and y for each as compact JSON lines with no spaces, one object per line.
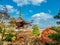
{"x":20,"y":22}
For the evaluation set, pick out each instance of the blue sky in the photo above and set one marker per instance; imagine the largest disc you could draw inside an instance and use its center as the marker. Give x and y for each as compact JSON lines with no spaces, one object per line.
{"x":41,"y":11}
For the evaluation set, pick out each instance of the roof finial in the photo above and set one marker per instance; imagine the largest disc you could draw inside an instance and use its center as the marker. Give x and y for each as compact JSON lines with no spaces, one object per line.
{"x":20,"y":12}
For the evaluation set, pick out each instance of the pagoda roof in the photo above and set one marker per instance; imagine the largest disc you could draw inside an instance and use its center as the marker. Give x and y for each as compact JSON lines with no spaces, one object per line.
{"x":21,"y":19}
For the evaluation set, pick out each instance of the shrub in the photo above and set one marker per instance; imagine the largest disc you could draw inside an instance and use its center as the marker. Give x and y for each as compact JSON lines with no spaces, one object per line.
{"x":54,"y":37}
{"x":56,"y":28}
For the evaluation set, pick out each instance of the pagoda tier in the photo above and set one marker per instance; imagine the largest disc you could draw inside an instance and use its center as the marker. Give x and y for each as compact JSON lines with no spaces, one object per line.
{"x":21,"y":23}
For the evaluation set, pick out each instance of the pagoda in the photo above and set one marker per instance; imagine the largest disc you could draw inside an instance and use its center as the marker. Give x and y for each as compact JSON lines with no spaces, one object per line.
{"x":20,"y":22}
{"x":22,"y":32}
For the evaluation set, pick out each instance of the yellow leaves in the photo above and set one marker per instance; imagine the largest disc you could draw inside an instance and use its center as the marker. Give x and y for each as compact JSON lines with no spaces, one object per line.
{"x":13,"y":38}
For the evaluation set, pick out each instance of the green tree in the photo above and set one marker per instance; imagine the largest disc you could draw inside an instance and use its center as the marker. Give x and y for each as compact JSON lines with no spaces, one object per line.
{"x":0,"y":29}
{"x":55,"y":37}
{"x":9,"y":37}
{"x":36,"y":30}
{"x":4,"y":16}
{"x":57,"y":29}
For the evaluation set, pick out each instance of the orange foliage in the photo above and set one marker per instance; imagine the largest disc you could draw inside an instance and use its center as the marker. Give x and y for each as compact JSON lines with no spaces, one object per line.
{"x":44,"y":35}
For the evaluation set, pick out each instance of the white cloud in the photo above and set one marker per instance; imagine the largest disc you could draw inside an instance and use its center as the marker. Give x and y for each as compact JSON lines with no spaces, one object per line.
{"x":25,"y":2}
{"x":10,"y":9}
{"x":9,"y":6}
{"x":42,"y":15}
{"x":1,"y":7}
{"x":42,"y":19}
